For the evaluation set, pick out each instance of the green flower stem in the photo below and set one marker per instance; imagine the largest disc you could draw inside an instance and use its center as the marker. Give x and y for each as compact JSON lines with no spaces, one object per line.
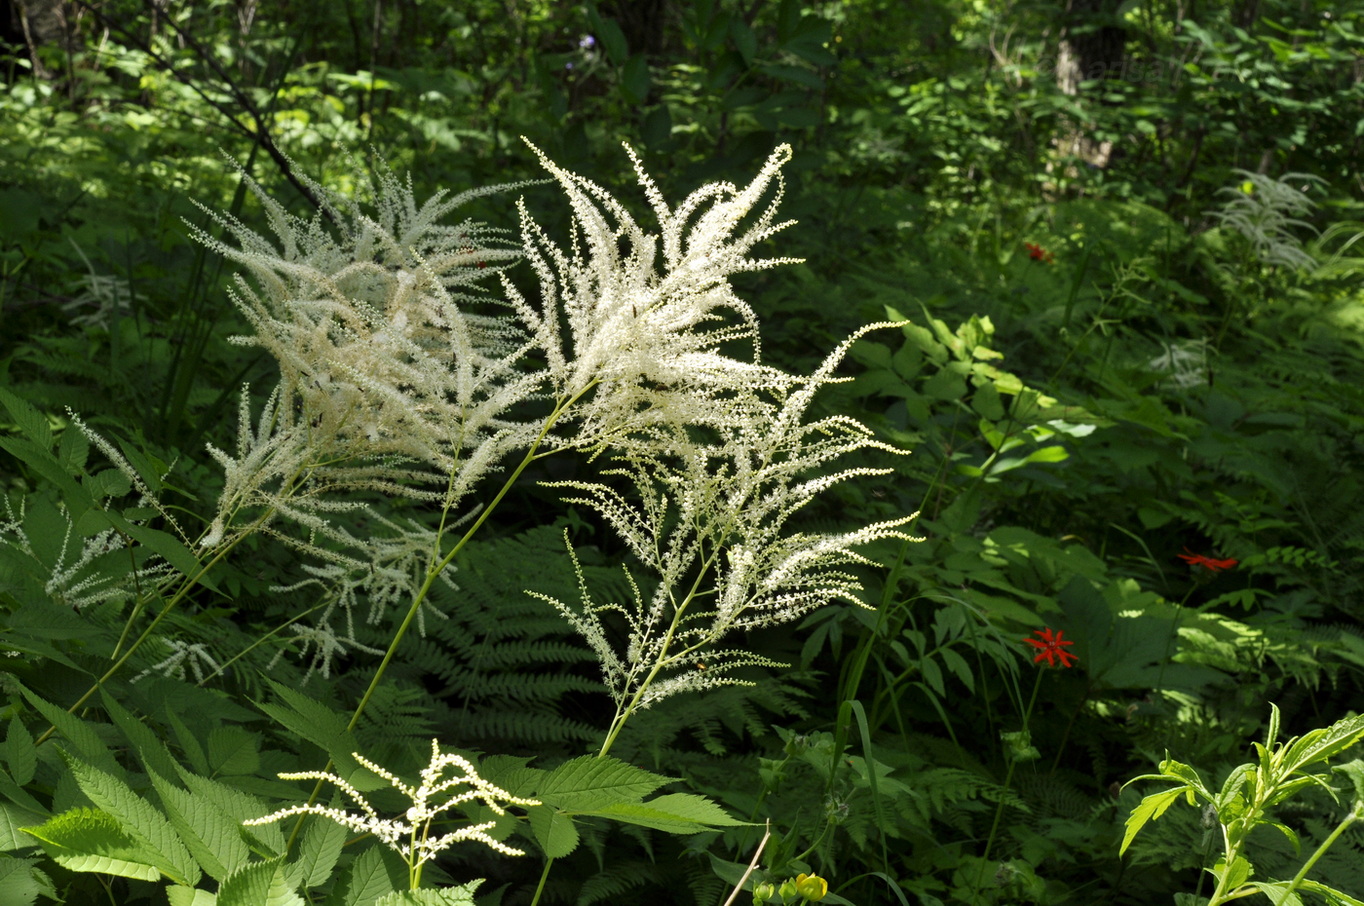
{"x":180,"y":595}
{"x":532,"y":454}
{"x":540,"y":888}
{"x":222,"y":668}
{"x":1008,"y":778}
{"x":664,"y":659}
{"x":1356,"y":813}
{"x":434,"y":573}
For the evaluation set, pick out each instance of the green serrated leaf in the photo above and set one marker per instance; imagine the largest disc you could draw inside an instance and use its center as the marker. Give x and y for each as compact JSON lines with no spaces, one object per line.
{"x":588,"y":783}
{"x":233,"y":750}
{"x":1333,"y":896}
{"x":86,"y":839}
{"x":258,"y":884}
{"x":324,"y":728}
{"x":463,"y":895}
{"x":153,"y":751}
{"x":22,"y":882}
{"x":14,"y":819}
{"x":319,"y":851}
{"x":76,"y":731}
{"x":1149,"y":809}
{"x":31,"y":423}
{"x":212,"y":837}
{"x":20,"y":754}
{"x":553,"y":830}
{"x":42,"y":462}
{"x":676,"y":813}
{"x":238,"y":806}
{"x":185,"y":896}
{"x":189,"y":743}
{"x":1320,"y":745}
{"x":139,"y":818}
{"x":1236,"y":875}
{"x":369,"y":877}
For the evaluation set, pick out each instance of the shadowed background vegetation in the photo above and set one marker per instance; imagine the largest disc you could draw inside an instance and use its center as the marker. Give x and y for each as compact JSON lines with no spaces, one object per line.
{"x":1127,"y":236}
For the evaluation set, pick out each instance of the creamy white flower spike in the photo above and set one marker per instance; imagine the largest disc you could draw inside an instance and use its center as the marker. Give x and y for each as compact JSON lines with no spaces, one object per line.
{"x":448,"y":782}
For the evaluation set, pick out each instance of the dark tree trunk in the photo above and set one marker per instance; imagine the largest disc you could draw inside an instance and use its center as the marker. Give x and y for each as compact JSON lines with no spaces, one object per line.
{"x":31,"y":24}
{"x":1092,"y":47}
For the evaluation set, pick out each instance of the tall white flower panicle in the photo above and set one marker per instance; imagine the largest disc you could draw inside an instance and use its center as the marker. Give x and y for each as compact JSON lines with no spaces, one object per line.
{"x":648,"y":313}
{"x":387,"y":345}
{"x":400,"y":377}
{"x":712,"y":523}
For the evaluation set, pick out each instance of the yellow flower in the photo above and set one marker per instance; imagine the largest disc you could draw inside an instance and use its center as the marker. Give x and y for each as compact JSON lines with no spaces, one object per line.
{"x":812,"y":887}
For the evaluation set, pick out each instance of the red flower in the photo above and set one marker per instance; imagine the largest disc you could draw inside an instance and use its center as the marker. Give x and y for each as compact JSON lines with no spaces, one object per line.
{"x":1052,"y":647}
{"x":1037,"y":253}
{"x":1207,"y":563}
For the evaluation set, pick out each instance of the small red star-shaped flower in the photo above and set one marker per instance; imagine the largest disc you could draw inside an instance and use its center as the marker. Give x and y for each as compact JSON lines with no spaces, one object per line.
{"x":1207,"y":563}
{"x":1037,"y":253}
{"x":1052,"y":646}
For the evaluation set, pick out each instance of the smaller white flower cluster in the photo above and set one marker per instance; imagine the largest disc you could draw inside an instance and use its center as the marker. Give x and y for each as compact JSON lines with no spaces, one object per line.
{"x":185,"y":658}
{"x":1265,"y":213}
{"x":410,"y":835}
{"x":1184,"y":361}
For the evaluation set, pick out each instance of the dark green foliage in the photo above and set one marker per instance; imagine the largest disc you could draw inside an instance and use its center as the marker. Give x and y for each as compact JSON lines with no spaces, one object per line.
{"x":510,"y":672}
{"x":1062,"y":458}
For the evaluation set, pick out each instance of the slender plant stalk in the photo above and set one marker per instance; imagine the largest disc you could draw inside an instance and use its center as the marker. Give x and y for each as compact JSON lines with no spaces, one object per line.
{"x":184,"y":590}
{"x":1008,"y":779}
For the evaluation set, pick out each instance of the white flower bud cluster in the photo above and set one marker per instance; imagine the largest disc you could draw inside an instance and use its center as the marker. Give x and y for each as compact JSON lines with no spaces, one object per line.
{"x":438,"y":793}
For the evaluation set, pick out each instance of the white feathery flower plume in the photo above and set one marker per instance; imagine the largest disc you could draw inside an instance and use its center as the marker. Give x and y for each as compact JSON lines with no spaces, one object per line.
{"x":448,"y":782}
{"x":711,"y":522}
{"x":1265,"y":210}
{"x":648,"y":313}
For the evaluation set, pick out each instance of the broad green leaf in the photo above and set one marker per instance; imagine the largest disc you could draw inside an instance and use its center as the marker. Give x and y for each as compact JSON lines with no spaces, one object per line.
{"x":676,"y":813}
{"x":258,"y":884}
{"x":1354,"y":772}
{"x":154,"y":753}
{"x":1236,"y":875}
{"x":369,"y":877}
{"x":317,"y":854}
{"x":41,"y":461}
{"x":22,"y":882}
{"x":634,"y":79}
{"x":86,"y":839}
{"x":76,"y":731}
{"x":139,"y":818}
{"x":324,"y":728}
{"x":232,"y":750}
{"x":189,"y":743}
{"x":1320,"y":745}
{"x":185,"y":896}
{"x":1278,"y":893}
{"x":20,"y":754}
{"x":238,"y":807}
{"x":212,"y":837}
{"x":163,"y":544}
{"x":463,"y":895}
{"x":1053,"y":453}
{"x":32,"y":424}
{"x":1149,"y":809}
{"x":553,"y":830}
{"x":587,"y":783}
{"x":1333,"y":896}
{"x":1179,"y":771}
{"x":12,"y":820}
{"x":20,"y":796}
